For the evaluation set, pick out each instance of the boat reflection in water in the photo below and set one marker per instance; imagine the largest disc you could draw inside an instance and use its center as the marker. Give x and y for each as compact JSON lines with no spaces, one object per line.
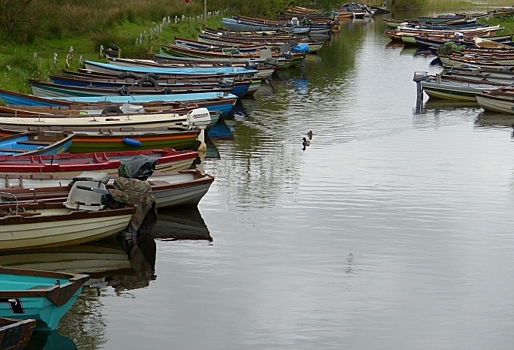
{"x":173,"y":224}
{"x":95,"y":259}
{"x":119,"y":264}
{"x":142,"y":253}
{"x":492,"y":119}
{"x":442,"y":107}
{"x":50,"y":341}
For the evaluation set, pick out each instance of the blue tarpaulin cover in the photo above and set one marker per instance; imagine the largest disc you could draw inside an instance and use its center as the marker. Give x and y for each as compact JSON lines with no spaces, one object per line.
{"x":303,"y":47}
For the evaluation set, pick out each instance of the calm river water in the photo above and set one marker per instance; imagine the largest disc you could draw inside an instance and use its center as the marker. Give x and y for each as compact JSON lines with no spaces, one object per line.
{"x":392,"y":230}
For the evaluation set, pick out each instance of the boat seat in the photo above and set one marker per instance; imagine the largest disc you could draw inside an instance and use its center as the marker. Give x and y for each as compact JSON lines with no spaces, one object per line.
{"x":80,"y":199}
{"x":42,"y":287}
{"x":14,"y":150}
{"x":36,"y":143}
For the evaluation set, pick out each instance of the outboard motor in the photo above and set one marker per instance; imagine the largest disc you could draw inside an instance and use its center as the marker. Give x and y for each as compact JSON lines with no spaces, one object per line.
{"x":87,"y":191}
{"x":251,"y":64}
{"x":420,"y":76}
{"x":226,"y":82}
{"x":198,"y":117}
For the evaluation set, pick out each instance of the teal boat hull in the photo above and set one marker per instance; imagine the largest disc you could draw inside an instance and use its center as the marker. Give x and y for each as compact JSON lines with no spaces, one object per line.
{"x":40,"y":295}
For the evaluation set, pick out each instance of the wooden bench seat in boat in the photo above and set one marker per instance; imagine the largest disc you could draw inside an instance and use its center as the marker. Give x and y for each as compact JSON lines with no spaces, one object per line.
{"x":41,"y":287}
{"x":17,"y":150}
{"x":34,"y":142}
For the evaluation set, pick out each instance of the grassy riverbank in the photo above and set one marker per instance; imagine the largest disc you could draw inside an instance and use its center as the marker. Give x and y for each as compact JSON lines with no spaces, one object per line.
{"x":19,"y":62}
{"x":136,"y":38}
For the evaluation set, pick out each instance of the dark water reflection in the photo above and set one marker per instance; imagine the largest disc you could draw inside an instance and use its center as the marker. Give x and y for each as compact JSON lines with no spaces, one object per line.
{"x":392,"y":230}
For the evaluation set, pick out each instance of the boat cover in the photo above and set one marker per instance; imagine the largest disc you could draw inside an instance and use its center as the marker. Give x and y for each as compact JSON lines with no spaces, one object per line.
{"x":140,"y":167}
{"x":139,"y":193}
{"x":302,"y":47}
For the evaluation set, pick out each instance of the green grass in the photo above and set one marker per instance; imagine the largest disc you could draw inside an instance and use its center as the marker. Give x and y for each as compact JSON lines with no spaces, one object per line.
{"x":19,"y":62}
{"x":35,"y":58}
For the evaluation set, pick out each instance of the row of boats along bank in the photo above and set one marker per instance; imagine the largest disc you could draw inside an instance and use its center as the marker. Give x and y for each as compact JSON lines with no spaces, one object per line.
{"x":477,"y":60}
{"x":95,"y":160}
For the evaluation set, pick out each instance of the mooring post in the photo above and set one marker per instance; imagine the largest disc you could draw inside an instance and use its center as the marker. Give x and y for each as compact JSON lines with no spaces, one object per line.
{"x":418,"y":77}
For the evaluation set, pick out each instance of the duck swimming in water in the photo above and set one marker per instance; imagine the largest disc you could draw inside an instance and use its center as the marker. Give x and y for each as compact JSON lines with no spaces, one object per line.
{"x":305,"y":143}
{"x":309,"y":135}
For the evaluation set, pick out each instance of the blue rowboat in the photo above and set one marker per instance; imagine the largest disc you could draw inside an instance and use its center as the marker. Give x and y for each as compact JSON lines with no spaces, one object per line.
{"x":41,"y":295}
{"x":238,"y":25}
{"x":240,"y":87}
{"x":114,"y":68}
{"x":225,"y":101}
{"x":36,"y":143}
{"x":13,"y":98}
{"x":217,"y":101}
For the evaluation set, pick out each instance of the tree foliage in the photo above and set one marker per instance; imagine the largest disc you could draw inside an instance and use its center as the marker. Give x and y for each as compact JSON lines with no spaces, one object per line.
{"x":11,"y":11}
{"x":408,"y":4}
{"x":27,"y":20}
{"x":266,"y":8}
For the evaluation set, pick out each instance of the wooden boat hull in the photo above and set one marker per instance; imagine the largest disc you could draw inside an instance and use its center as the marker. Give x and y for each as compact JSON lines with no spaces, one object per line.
{"x":57,"y":226}
{"x":184,"y":189}
{"x":233,"y":24}
{"x":94,"y":123}
{"x":36,"y":143}
{"x":73,"y":164}
{"x":171,"y":189}
{"x":454,"y":90}
{"x":493,"y":103}
{"x":442,"y":19}
{"x":451,"y":60}
{"x":113,"y":68}
{"x":262,"y":72}
{"x":44,"y":89}
{"x":240,"y":87}
{"x":214,"y":101}
{"x":15,"y":334}
{"x":116,"y":142}
{"x":298,"y":27}
{"x":40,"y":295}
{"x":165,"y":57}
{"x":194,"y":44}
{"x":271,"y":42}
